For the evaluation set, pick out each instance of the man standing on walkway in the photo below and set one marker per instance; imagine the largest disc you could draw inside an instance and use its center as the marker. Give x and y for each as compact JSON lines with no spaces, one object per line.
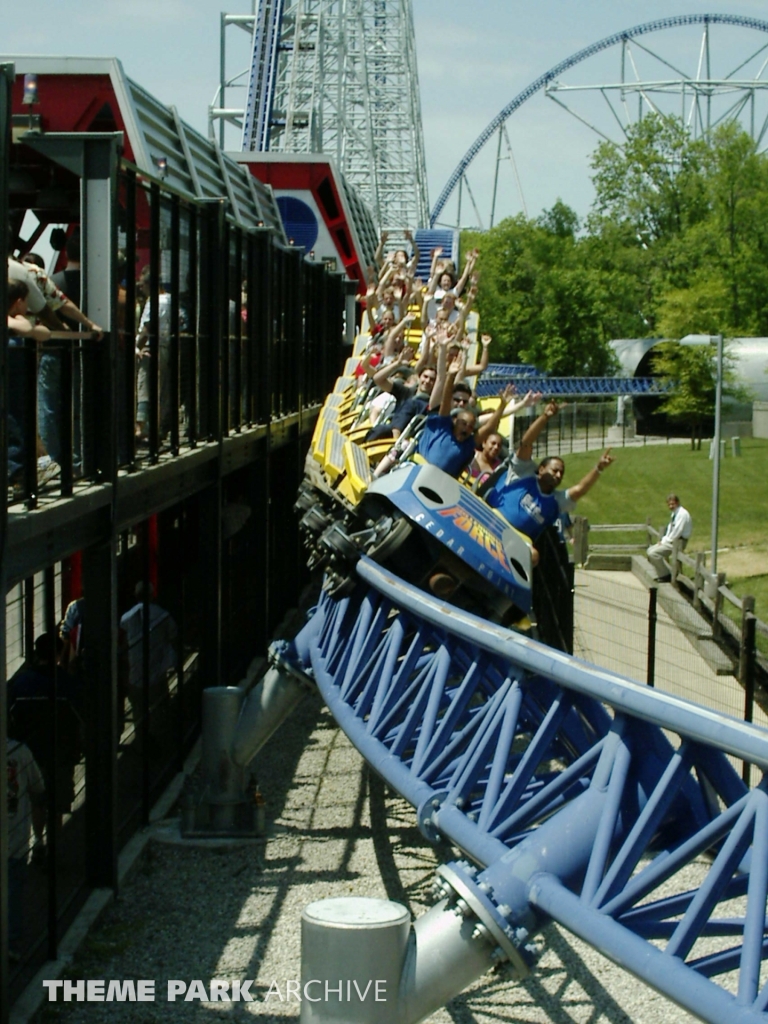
{"x":679,"y":528}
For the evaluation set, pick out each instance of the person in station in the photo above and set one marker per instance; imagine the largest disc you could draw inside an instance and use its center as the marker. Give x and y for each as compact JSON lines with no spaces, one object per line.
{"x":162,"y":647}
{"x":21,"y":329}
{"x":70,"y":278}
{"x":530,"y":497}
{"x":30,"y":691}
{"x":25,"y":794}
{"x":679,"y":528}
{"x":72,"y":636}
{"x":36,"y":306}
{"x":143,"y":358}
{"x":57,"y":300}
{"x":67,"y":315}
{"x":34,"y":678}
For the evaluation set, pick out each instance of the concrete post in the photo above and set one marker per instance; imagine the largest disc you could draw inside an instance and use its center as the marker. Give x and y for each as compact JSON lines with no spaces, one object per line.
{"x":221,"y":713}
{"x":352,"y":954}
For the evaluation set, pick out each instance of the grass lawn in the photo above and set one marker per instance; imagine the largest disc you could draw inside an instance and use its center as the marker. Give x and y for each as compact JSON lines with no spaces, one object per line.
{"x":637,"y":483}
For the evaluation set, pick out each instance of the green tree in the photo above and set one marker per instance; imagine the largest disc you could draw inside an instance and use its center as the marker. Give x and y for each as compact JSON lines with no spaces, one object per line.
{"x":653,"y":182}
{"x":691,"y":373}
{"x":698,"y":210}
{"x":537,"y":298}
{"x":676,"y":244}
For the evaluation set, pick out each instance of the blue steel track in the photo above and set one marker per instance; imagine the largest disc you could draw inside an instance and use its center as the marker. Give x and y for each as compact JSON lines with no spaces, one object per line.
{"x":574,"y":794}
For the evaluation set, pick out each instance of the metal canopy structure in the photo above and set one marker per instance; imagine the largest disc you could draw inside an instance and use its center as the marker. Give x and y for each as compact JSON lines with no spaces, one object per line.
{"x":85,"y":93}
{"x":703,"y":92}
{"x":339,"y":77}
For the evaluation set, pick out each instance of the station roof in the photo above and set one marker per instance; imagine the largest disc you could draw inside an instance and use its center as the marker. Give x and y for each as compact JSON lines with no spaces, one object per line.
{"x":94,"y":94}
{"x":315,"y":178}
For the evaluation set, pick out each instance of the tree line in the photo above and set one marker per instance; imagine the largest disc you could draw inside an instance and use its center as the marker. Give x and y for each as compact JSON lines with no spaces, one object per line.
{"x":676,"y":243}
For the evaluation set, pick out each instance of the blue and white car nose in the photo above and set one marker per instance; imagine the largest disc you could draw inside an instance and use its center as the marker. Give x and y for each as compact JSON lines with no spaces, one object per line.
{"x":464,"y":523}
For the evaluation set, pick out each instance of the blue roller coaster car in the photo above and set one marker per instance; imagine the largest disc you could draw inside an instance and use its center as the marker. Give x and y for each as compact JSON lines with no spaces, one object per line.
{"x":431,"y":531}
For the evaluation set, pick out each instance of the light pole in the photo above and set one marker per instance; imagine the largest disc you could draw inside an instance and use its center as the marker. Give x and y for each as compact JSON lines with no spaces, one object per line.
{"x":716,"y":454}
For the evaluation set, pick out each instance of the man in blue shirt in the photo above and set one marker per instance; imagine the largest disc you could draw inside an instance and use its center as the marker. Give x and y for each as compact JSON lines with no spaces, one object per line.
{"x":530,"y":497}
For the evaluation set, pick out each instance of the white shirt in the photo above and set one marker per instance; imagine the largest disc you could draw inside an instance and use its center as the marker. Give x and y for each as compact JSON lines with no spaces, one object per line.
{"x":680,"y":525}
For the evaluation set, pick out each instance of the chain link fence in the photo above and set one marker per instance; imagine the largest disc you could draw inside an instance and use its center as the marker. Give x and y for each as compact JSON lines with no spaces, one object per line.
{"x":616,"y":628}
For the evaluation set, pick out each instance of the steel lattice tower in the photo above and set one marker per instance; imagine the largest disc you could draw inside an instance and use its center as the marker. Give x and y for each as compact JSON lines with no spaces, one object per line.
{"x":339,"y":77}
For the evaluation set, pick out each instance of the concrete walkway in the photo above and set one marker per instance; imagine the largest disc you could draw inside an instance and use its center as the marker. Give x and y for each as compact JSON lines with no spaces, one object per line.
{"x":611,"y":630}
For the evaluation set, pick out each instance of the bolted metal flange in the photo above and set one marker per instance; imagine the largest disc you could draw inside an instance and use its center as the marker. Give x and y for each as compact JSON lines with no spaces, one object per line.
{"x":426,"y":816}
{"x":492,"y":924}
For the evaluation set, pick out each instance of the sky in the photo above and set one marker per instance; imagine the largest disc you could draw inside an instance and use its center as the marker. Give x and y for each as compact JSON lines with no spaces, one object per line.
{"x":473,"y":59}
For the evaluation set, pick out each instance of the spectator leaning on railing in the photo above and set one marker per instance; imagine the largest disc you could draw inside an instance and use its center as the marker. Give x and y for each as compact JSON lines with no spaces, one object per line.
{"x":679,"y":527}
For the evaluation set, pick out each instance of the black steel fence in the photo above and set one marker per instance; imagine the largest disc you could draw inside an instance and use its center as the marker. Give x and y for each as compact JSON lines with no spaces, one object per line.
{"x":216,"y":329}
{"x":124,"y":602}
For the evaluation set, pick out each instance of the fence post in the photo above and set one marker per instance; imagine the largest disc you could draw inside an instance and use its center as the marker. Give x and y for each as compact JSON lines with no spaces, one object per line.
{"x":650,"y":677}
{"x":747,"y":666}
{"x":698,"y":581}
{"x":580,"y":539}
{"x":586,"y":425}
{"x":717,"y":598}
{"x":674,"y":560}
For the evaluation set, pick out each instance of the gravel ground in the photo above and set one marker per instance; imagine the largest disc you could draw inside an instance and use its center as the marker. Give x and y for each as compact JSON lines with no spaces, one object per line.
{"x":333,"y":829}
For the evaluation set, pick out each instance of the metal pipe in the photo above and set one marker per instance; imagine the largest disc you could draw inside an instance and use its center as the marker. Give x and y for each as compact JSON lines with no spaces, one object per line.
{"x":363,"y":963}
{"x":446,"y":953}
{"x":716,"y":454}
{"x":221,"y":713}
{"x":268,"y":705}
{"x":352,"y":952}
{"x":224,"y":778}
